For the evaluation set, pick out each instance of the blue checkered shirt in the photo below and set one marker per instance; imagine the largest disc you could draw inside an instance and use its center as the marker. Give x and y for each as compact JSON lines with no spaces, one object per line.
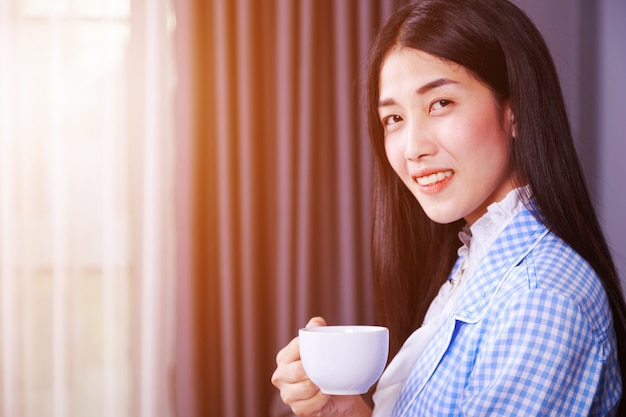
{"x":532,"y":335}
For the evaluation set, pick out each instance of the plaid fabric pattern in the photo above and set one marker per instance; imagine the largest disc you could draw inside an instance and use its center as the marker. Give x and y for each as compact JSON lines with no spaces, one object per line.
{"x":532,"y":336}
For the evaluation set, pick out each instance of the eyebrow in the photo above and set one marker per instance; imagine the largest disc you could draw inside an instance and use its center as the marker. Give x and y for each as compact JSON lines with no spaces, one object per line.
{"x":440,"y":82}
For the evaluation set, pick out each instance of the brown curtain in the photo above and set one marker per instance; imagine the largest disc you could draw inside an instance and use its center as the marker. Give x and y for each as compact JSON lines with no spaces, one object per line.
{"x":273,"y":188}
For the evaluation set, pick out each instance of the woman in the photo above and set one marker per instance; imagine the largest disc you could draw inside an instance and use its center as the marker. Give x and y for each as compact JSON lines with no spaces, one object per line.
{"x":472,"y":141}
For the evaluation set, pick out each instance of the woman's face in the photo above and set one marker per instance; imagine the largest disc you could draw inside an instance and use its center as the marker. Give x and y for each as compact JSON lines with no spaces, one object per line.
{"x":446,"y":136}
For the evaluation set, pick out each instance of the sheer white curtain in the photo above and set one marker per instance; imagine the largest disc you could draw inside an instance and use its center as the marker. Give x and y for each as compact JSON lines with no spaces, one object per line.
{"x":86,"y":208}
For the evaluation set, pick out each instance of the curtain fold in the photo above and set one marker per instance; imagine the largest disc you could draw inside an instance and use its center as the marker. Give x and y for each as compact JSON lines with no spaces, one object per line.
{"x":274,"y":165}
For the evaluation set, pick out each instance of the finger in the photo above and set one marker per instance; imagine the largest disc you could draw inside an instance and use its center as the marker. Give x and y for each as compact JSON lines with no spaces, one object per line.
{"x":289,"y":353}
{"x":316,"y":322}
{"x":294,"y":372}
{"x":298,"y":391}
{"x":311,"y":406}
{"x":305,"y":393}
{"x":287,"y":374}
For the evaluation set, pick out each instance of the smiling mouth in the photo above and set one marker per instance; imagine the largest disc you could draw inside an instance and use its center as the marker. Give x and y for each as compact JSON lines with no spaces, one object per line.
{"x":433,"y":178}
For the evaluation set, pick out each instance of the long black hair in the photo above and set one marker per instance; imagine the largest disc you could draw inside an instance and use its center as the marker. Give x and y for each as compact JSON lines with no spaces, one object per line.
{"x":499,"y":44}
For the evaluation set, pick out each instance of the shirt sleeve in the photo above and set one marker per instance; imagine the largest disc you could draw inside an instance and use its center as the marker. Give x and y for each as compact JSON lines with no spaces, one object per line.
{"x":540,"y":358}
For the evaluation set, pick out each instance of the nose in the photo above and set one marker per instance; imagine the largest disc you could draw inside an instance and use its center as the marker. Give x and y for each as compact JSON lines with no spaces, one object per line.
{"x":419,"y":142}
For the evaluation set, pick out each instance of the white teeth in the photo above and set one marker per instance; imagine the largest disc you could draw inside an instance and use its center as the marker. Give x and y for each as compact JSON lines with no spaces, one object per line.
{"x":433,"y":178}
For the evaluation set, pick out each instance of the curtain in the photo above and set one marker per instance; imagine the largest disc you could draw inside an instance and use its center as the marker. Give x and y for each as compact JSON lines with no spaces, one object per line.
{"x":87,"y":256}
{"x":274,"y":188}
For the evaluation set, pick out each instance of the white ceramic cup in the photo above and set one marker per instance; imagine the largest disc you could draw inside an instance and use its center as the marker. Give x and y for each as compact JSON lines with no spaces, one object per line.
{"x":344,"y":360}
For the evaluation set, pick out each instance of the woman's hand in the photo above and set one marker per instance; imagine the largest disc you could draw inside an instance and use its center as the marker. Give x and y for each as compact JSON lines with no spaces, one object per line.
{"x":302,"y":395}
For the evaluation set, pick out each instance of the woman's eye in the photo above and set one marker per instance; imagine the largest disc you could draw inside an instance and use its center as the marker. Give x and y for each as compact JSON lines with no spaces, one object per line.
{"x":391,"y":120}
{"x":439,"y":104}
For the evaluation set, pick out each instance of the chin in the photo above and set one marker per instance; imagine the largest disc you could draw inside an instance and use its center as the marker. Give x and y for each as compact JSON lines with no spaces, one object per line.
{"x":443,"y":218}
{"x":442,"y":210}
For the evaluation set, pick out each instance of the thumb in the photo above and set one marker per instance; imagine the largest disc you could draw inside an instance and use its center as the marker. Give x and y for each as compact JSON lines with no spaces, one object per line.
{"x":316,"y":322}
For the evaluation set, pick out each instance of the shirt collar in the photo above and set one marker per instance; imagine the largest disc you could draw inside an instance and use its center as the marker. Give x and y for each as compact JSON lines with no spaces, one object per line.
{"x":478,"y":237}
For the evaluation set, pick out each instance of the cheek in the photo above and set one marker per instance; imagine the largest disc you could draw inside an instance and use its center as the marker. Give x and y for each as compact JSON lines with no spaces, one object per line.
{"x":395,"y":154}
{"x":482,"y":135}
{"x":489,"y":154}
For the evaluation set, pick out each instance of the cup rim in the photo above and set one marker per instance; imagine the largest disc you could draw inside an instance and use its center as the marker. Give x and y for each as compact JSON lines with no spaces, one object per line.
{"x":343,"y":329}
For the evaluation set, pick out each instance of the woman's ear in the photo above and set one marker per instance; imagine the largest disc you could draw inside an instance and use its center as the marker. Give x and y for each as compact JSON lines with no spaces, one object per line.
{"x":510,"y":117}
{"x":513,"y":127}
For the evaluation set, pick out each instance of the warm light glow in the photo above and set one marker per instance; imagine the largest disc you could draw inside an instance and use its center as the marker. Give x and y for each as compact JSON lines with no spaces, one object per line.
{"x":71,"y":183}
